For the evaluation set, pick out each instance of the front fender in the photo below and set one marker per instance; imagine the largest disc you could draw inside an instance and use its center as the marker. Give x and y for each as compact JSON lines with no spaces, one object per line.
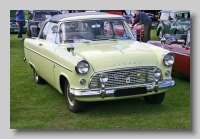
{"x":158,"y":29}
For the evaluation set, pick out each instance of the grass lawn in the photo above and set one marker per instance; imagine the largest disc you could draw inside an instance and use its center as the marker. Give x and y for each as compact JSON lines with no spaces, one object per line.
{"x":34,"y":106}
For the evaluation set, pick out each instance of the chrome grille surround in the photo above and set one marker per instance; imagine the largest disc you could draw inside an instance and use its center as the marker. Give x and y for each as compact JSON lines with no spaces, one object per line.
{"x":146,"y":78}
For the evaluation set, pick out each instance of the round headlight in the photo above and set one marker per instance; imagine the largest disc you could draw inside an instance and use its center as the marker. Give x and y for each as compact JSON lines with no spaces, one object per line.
{"x":157,"y":73}
{"x":168,"y":59}
{"x":82,"y":67}
{"x":103,"y":77}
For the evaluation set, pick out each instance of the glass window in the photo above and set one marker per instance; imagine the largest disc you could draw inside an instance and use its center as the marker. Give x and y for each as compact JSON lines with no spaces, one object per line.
{"x":95,"y":30}
{"x":164,"y":16}
{"x":51,"y":36}
{"x":44,"y":32}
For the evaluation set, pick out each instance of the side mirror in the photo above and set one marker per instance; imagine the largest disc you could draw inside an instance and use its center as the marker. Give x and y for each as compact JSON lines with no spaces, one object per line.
{"x":182,"y":42}
{"x":70,"y":48}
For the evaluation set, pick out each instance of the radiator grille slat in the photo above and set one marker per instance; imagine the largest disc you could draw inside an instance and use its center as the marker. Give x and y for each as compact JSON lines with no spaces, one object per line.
{"x":147,"y":77}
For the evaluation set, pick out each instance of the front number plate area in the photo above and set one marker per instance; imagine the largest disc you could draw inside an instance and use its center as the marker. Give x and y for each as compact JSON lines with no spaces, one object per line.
{"x":130,"y":91}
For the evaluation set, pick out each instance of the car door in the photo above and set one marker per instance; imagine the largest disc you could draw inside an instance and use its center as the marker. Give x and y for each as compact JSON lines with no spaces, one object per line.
{"x":47,"y":47}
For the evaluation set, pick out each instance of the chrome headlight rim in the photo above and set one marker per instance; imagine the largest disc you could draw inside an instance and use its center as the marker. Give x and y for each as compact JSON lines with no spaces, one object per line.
{"x":80,"y":65}
{"x":167,"y":63}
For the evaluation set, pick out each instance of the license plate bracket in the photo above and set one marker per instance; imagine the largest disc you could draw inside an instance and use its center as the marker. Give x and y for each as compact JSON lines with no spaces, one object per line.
{"x":130,"y":91}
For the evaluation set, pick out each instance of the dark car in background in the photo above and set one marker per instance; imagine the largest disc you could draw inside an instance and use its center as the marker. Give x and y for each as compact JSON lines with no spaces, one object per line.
{"x":173,"y":22}
{"x":37,"y":16}
{"x":13,"y":26}
{"x":154,"y":19}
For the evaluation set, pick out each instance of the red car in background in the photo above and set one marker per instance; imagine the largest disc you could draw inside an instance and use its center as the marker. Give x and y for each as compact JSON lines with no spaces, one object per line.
{"x":181,"y":52}
{"x":139,"y":29}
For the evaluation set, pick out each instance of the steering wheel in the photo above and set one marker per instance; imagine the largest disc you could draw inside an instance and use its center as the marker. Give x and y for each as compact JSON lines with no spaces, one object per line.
{"x":75,"y":37}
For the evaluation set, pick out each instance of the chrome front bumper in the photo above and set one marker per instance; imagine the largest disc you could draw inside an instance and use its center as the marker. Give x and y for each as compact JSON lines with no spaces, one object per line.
{"x":103,"y":92}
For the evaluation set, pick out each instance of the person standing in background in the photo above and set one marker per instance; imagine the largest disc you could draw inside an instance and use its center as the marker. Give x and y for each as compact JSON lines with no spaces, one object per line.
{"x":143,"y":18}
{"x":20,"y":22}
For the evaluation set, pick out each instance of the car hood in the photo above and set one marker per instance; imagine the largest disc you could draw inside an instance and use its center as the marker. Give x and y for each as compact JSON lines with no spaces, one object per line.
{"x":119,"y":54}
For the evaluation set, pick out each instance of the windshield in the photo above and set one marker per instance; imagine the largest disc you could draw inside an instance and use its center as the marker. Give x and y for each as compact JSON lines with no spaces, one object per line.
{"x":95,"y":30}
{"x":43,"y":15}
{"x":183,"y":16}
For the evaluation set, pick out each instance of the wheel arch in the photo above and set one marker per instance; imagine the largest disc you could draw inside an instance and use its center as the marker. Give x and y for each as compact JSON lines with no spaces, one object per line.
{"x":62,"y":80}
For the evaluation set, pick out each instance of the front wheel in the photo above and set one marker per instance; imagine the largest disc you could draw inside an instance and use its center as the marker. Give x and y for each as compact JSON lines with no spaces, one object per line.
{"x":155,"y":99}
{"x":72,"y":104}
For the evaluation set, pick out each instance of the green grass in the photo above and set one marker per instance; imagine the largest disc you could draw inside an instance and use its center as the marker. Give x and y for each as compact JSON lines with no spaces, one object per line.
{"x":34,"y":106}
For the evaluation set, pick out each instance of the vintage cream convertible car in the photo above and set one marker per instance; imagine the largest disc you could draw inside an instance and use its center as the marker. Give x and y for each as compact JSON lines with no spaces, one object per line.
{"x":75,"y":55}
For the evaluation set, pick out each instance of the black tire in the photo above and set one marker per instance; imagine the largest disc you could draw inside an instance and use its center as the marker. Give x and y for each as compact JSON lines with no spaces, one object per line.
{"x":155,"y":99}
{"x":37,"y":78}
{"x":72,"y":104}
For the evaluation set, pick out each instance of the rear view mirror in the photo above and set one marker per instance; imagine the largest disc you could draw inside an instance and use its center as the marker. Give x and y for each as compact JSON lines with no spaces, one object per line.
{"x":96,"y":26}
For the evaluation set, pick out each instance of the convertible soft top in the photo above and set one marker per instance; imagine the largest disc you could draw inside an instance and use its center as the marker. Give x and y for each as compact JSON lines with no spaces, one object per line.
{"x":58,"y":17}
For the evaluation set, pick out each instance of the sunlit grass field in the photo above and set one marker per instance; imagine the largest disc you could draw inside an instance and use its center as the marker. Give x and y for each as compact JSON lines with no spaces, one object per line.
{"x":34,"y":106}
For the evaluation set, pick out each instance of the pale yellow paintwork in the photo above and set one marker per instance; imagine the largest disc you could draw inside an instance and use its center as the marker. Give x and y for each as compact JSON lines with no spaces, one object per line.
{"x":52,"y":61}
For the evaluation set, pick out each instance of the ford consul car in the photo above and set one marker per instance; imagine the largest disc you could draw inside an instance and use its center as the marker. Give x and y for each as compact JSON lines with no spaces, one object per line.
{"x":76,"y":56}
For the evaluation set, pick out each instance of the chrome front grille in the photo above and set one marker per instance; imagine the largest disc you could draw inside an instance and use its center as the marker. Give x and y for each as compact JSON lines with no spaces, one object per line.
{"x":146,"y":72}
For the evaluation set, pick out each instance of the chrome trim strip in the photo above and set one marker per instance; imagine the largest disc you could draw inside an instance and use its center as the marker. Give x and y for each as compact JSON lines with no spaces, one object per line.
{"x":48,"y":58}
{"x":166,"y":84}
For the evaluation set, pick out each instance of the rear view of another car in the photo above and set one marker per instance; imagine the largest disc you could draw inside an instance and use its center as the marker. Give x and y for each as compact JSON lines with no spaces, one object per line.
{"x":36,"y":17}
{"x":13,"y":25}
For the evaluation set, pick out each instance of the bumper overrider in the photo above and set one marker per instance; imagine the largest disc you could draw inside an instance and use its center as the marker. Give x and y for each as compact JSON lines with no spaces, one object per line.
{"x":155,"y":87}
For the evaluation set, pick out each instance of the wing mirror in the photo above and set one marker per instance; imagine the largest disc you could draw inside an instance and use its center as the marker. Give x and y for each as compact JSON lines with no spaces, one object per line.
{"x":70,"y":48}
{"x":163,"y":41}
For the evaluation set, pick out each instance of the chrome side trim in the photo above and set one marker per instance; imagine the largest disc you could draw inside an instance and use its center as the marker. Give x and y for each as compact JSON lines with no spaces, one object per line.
{"x":48,"y":58}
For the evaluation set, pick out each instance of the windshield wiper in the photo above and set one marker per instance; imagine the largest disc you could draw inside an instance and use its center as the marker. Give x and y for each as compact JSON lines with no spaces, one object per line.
{"x":100,"y":39}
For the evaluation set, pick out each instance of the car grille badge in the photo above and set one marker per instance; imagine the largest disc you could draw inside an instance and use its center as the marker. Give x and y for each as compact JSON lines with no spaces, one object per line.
{"x":128,"y":77}
{"x":116,"y":77}
{"x":139,"y":75}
